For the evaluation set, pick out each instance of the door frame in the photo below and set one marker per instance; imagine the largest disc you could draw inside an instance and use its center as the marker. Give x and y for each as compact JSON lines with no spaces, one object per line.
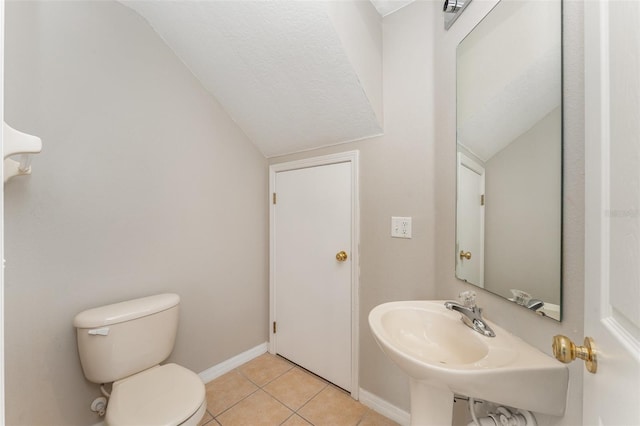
{"x":325,"y":160}
{"x":2,"y":403}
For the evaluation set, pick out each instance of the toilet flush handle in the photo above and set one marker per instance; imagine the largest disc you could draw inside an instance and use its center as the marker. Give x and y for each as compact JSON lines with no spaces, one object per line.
{"x":104,"y":331}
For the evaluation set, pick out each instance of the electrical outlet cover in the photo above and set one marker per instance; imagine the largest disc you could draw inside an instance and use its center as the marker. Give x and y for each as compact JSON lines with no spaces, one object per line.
{"x":400,"y":227}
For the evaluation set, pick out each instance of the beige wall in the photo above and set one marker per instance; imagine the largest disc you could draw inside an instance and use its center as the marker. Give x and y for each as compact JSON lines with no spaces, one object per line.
{"x":144,"y":186}
{"x":522,"y":214}
{"x":531,"y":328}
{"x":396,"y":179}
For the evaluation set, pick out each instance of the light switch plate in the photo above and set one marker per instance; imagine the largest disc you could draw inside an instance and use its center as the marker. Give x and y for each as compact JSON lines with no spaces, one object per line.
{"x":400,"y":227}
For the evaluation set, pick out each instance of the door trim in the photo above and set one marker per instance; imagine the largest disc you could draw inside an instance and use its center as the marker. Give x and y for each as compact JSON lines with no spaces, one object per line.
{"x":325,"y":160}
{"x":2,"y":300}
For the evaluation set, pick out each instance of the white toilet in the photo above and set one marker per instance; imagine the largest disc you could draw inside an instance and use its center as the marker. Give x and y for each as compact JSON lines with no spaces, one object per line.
{"x":124,"y":343}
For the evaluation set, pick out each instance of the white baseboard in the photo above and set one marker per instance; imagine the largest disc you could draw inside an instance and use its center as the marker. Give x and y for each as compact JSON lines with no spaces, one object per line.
{"x":385,"y":408}
{"x":225,"y":366}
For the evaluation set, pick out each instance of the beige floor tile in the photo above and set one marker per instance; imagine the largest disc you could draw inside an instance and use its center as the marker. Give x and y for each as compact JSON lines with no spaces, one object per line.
{"x":206,"y":419}
{"x":227,"y":390}
{"x":265,"y":368}
{"x":295,"y":387}
{"x":371,"y":418}
{"x":258,"y":409}
{"x":296,"y":420}
{"x":332,"y":407}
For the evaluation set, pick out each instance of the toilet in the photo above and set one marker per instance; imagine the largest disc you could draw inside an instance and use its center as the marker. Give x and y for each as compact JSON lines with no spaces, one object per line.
{"x":124,"y":344}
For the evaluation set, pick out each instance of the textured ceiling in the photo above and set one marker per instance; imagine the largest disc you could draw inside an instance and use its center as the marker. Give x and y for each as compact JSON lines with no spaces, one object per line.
{"x":278,"y":68}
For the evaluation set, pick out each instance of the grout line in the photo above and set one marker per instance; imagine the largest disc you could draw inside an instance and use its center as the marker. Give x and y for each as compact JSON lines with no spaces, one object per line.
{"x":236,"y":403}
{"x":287,"y":419}
{"x":311,"y":399}
{"x":261,"y":386}
{"x":212,"y":422}
{"x":295,"y":411}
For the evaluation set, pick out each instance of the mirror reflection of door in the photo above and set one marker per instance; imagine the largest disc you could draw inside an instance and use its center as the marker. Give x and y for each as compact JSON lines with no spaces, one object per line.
{"x":470,"y":221}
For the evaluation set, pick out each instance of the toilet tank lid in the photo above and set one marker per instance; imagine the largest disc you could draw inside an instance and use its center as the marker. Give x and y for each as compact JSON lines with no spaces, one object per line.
{"x":125,"y":311}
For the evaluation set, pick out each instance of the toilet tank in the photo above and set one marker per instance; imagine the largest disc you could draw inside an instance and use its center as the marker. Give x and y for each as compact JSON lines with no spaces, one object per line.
{"x":116,"y":341}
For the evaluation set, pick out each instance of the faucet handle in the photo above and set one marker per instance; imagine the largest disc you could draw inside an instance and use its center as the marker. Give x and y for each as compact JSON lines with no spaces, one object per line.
{"x":468,"y":298}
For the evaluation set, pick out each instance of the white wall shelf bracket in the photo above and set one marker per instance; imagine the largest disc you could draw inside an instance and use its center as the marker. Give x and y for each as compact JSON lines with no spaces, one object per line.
{"x":18,"y":143}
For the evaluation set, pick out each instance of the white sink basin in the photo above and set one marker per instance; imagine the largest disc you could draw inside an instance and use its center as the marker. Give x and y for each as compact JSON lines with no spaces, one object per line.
{"x":443,"y":356}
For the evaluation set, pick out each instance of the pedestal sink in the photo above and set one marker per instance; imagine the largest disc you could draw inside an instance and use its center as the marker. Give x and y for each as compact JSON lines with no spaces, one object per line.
{"x":443,"y":357}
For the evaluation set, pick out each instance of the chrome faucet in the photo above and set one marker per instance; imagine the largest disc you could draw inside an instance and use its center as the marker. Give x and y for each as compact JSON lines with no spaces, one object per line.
{"x":471,"y":314}
{"x":535,"y":304}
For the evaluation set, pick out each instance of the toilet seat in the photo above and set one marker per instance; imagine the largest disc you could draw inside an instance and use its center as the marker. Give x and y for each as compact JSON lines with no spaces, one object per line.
{"x":166,"y":395}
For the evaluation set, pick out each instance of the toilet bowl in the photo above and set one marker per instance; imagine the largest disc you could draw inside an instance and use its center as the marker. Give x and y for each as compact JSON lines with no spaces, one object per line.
{"x":162,"y":395}
{"x":124,"y":343}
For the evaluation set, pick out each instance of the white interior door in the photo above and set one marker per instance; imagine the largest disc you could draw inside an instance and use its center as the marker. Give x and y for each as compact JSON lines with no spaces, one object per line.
{"x":470,"y":221}
{"x":312,"y":220}
{"x":612,"y":299}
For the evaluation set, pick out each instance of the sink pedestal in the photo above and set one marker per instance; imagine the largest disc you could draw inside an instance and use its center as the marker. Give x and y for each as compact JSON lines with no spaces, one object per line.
{"x":430,"y":405}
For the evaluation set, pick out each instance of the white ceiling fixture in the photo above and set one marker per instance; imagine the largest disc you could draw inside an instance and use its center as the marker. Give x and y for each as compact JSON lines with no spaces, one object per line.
{"x":278,"y":68}
{"x":387,"y":7}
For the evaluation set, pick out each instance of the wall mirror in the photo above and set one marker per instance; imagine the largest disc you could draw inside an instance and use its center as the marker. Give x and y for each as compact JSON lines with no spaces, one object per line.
{"x":509,"y":154}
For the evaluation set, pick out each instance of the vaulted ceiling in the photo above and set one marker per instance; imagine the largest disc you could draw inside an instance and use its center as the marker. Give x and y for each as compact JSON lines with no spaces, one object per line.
{"x":294,"y":75}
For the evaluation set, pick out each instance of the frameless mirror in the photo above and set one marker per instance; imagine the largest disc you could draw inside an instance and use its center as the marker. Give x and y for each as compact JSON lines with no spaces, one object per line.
{"x":509,"y":154}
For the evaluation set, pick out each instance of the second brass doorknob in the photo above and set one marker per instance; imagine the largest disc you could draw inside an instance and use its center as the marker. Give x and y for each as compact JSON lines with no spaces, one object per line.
{"x":465,"y":255}
{"x":341,"y":256}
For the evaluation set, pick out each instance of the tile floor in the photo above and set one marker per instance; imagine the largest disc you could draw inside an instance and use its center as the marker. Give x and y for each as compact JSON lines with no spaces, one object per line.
{"x":270,"y":390}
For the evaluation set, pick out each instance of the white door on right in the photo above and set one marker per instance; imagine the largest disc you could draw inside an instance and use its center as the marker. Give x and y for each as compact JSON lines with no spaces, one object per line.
{"x":612,"y":240}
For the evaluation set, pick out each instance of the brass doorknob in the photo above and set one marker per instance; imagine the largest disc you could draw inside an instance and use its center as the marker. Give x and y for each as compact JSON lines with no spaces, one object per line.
{"x":341,"y":256}
{"x":566,"y":351}
{"x":465,"y":255}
